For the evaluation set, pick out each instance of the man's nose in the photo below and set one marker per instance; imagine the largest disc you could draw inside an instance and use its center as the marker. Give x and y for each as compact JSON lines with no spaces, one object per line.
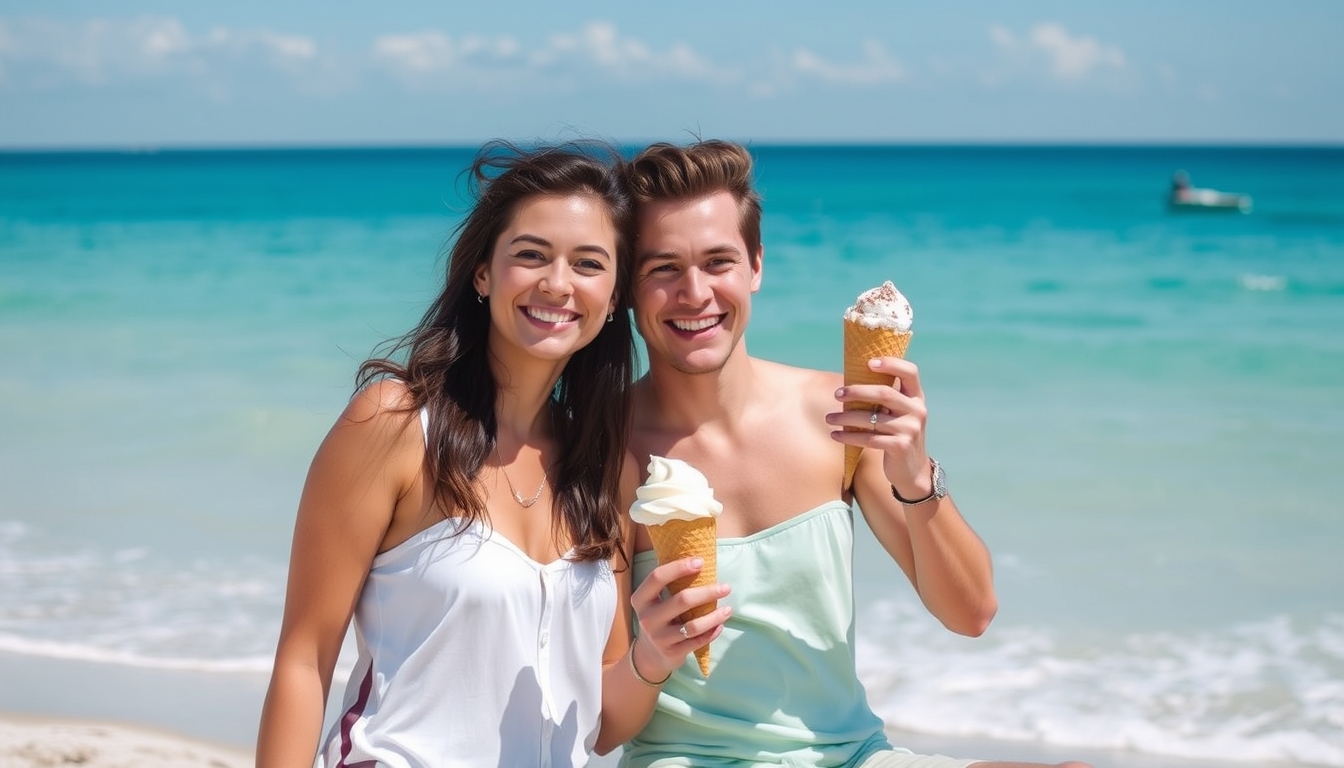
{"x":694,"y":287}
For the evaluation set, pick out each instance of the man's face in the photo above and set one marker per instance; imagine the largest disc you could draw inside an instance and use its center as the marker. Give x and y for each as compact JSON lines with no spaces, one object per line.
{"x":693,"y":282}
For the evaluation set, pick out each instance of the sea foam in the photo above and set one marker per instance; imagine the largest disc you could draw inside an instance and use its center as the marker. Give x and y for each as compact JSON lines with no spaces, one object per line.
{"x":1266,"y":690}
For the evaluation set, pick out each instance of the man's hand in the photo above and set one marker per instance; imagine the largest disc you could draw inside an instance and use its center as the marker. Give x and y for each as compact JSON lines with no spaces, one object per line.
{"x":894,"y":425}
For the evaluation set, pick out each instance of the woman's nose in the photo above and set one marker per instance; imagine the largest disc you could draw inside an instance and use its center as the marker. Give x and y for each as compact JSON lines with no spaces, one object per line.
{"x":557,"y":281}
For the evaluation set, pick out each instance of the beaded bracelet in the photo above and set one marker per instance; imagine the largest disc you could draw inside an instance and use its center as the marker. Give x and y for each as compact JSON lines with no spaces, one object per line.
{"x":639,"y":677}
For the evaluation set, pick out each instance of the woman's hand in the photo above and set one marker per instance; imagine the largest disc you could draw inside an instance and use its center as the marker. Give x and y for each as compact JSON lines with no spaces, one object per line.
{"x":663,"y":640}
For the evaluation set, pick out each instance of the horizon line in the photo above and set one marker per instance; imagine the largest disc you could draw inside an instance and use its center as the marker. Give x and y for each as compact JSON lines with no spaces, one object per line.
{"x":264,"y":146}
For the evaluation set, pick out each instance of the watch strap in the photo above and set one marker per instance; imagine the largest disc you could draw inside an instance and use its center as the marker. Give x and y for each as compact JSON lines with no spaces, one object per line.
{"x":937,"y":486}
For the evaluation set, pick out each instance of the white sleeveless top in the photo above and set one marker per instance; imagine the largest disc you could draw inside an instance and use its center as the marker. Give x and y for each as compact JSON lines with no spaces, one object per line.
{"x":473,"y":654}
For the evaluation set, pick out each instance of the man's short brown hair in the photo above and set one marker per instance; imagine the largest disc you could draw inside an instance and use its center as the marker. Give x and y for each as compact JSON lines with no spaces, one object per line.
{"x":664,"y":171}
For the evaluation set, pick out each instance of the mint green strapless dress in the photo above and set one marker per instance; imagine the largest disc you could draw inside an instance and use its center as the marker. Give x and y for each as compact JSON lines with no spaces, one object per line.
{"x":782,"y":688}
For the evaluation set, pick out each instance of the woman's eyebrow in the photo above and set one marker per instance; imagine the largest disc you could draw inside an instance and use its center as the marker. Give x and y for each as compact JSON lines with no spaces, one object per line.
{"x":541,"y":241}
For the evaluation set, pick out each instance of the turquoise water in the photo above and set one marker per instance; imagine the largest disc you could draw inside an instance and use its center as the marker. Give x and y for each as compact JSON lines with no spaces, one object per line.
{"x":1141,"y":412}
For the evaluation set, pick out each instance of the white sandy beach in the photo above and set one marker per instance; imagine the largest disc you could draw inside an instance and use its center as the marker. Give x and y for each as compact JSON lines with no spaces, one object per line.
{"x":28,"y":742}
{"x":56,"y":712}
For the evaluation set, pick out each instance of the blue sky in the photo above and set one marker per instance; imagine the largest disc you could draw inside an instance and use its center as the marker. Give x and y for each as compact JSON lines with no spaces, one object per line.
{"x":248,"y":72}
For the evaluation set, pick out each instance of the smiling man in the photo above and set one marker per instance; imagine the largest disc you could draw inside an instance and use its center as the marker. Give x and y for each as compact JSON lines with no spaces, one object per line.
{"x":783,"y":688}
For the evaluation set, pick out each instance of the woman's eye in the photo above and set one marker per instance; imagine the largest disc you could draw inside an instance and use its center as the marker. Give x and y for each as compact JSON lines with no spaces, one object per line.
{"x":592,"y":265}
{"x":528,"y":255}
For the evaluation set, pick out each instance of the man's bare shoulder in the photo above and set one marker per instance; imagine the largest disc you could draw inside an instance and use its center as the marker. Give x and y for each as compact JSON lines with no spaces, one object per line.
{"x":810,"y":383}
{"x":796,"y":373}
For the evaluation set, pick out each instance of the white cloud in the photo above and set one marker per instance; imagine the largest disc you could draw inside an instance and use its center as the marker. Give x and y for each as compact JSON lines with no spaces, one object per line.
{"x":96,"y":51}
{"x":1074,"y":57}
{"x":293,"y":47}
{"x":600,"y":44}
{"x":49,"y":53}
{"x":158,"y":37}
{"x":434,"y":57}
{"x":416,"y":53}
{"x":875,"y":68}
{"x":1068,"y":57}
{"x":1002,"y":37}
{"x":430,"y":52}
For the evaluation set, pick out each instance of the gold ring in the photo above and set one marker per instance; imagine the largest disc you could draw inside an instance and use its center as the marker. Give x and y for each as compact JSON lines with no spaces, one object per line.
{"x":872,"y":420}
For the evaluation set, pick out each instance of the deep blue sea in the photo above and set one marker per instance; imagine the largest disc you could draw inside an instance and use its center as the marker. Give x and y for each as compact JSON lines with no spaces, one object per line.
{"x":1140,"y":411}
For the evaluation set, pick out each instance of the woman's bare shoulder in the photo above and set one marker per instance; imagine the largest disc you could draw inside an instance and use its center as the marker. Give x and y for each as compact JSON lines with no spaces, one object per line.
{"x":380,"y":400}
{"x":381,"y":413}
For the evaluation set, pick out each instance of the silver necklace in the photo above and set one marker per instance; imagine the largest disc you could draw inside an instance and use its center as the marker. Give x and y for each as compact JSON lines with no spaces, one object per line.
{"x":524,"y":503}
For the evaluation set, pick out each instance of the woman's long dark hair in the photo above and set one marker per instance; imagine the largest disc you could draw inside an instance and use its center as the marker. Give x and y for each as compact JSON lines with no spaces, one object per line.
{"x":447,"y":367}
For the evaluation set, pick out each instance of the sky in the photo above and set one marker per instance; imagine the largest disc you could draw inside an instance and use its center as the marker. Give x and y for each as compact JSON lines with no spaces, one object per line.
{"x":160,"y":73}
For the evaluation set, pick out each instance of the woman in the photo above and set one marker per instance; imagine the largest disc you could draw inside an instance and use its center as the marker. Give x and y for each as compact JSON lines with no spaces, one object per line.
{"x":463,"y":507}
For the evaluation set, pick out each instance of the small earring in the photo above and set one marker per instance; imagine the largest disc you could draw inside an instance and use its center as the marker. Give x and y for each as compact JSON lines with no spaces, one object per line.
{"x":611,"y":316}
{"x":480,"y":298}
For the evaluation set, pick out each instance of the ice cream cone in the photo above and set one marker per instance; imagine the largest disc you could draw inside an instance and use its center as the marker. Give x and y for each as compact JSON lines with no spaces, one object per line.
{"x":861,"y":345}
{"x":676,"y":539}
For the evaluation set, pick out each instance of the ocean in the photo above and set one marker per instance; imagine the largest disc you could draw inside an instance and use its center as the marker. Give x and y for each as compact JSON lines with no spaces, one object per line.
{"x":1141,"y":411}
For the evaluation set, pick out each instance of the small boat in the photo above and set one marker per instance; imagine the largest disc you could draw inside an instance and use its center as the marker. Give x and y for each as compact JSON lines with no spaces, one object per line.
{"x":1185,"y":197}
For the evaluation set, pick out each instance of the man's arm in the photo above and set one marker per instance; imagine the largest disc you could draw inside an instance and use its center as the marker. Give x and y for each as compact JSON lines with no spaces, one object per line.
{"x":942,"y":556}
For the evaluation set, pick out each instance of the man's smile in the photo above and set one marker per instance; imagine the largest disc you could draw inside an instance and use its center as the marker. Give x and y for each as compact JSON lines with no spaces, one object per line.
{"x":697,"y":324}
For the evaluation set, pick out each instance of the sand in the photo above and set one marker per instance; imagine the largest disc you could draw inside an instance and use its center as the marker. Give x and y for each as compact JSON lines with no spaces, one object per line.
{"x":27,"y":742}
{"x":56,"y":712}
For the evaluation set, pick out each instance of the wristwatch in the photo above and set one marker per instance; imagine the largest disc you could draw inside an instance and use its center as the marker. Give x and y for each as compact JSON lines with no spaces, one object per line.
{"x":939,"y":486}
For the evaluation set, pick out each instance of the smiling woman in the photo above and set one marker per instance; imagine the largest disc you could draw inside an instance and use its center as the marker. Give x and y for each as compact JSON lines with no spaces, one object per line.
{"x":474,"y":606}
{"x":550,"y":294}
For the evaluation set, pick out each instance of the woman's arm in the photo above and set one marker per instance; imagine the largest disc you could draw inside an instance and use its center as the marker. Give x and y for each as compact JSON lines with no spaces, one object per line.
{"x":628,"y":700}
{"x":366,"y":464}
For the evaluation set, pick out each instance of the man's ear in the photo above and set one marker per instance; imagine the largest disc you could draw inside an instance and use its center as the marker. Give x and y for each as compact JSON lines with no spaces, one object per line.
{"x":757,"y":268}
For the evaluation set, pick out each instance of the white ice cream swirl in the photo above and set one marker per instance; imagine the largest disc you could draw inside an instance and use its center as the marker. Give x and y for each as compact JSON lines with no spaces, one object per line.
{"x":674,"y":491}
{"x":882,"y":307}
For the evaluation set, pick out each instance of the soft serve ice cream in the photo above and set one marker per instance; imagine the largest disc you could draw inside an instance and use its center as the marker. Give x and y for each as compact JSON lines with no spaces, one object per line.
{"x":882,"y":307}
{"x":681,"y":514}
{"x":878,"y":325}
{"x":674,"y":491}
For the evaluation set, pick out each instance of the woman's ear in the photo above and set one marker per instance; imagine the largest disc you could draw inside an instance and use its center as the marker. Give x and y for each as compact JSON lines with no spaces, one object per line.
{"x":482,"y":279}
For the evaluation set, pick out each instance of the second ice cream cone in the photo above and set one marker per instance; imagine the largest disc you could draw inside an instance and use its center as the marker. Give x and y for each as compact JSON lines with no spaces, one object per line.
{"x":676,"y":539}
{"x":861,"y":345}
{"x":677,"y":507}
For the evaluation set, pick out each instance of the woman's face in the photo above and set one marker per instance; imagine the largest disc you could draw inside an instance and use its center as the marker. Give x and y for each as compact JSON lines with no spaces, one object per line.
{"x":551,"y":277}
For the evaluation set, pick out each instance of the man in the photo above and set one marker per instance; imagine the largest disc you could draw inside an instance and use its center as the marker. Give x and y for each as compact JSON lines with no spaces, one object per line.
{"x":783,"y":688}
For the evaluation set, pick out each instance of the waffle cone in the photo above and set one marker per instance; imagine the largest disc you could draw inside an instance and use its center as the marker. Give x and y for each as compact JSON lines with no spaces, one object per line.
{"x":861,"y":345}
{"x":676,"y":539}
